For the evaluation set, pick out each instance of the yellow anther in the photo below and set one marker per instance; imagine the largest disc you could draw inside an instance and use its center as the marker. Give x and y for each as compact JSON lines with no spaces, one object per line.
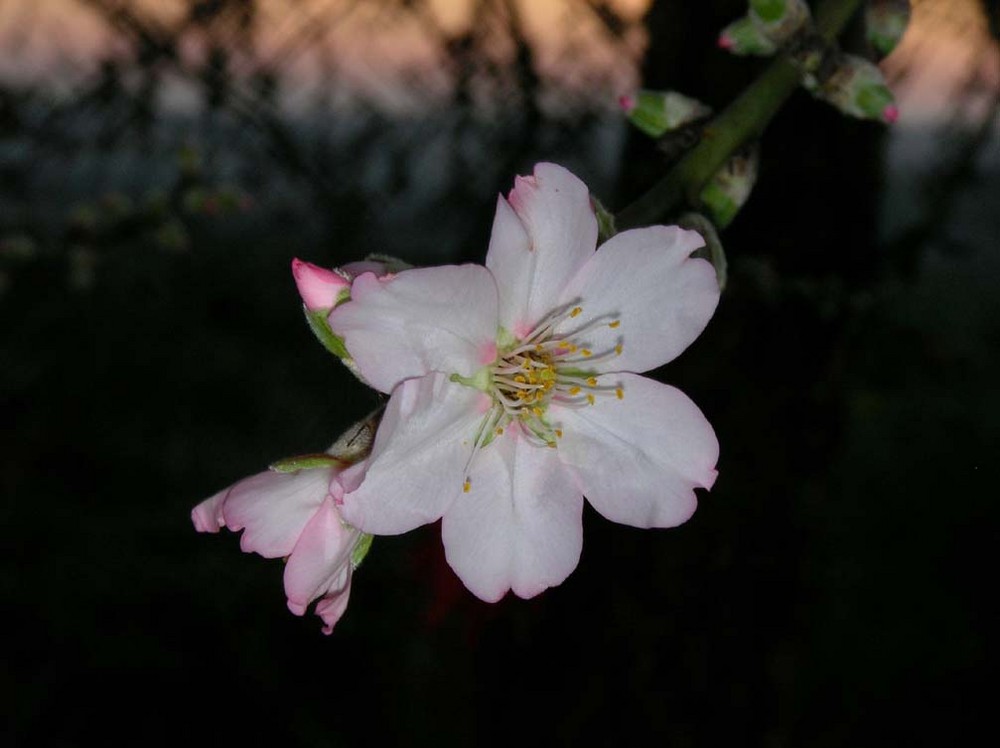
{"x":576,"y":311}
{"x":559,"y":433}
{"x":587,"y":352}
{"x":572,"y":348}
{"x":520,"y":378}
{"x":592,"y":381}
{"x":526,"y":364}
{"x":539,"y":347}
{"x":590,"y":398}
{"x":500,"y":428}
{"x":551,"y":444}
{"x":467,"y":486}
{"x":618,"y":349}
{"x":614,"y":324}
{"x":620,"y":392}
{"x":537,"y":412}
{"x":574,"y":390}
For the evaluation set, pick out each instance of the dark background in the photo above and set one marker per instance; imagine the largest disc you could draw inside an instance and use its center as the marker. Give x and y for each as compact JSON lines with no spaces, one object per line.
{"x":835,"y":588}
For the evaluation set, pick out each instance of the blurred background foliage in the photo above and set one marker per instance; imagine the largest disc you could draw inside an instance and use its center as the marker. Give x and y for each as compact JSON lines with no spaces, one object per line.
{"x":161,"y":162}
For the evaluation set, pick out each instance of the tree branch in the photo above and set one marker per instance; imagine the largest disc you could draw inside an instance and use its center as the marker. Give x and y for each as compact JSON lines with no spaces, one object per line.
{"x":744,"y":120}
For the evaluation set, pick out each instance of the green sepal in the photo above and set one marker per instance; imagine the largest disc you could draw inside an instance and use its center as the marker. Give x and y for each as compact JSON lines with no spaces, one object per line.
{"x":605,"y":221}
{"x":730,"y":187}
{"x":747,"y":39}
{"x":321,"y":329}
{"x":361,"y":549}
{"x":712,"y":251}
{"x":659,"y":112}
{"x":872,"y":100}
{"x":307,"y":462}
{"x":769,"y":10}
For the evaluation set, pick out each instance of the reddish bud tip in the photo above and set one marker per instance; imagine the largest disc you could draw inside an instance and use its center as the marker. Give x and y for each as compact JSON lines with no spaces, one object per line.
{"x":318,"y":286}
{"x":627,"y":103}
{"x":890,"y":114}
{"x":725,"y":41}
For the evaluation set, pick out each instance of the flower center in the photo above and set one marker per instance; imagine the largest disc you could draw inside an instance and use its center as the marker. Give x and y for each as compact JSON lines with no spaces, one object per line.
{"x":542,"y":367}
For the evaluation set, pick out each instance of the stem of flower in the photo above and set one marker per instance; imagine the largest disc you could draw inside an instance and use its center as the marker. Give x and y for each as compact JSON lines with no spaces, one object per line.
{"x":744,"y":120}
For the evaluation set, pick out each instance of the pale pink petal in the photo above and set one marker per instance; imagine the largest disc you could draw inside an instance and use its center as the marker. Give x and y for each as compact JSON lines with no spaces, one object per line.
{"x":417,"y":464}
{"x":644,"y":279}
{"x":273,"y":508}
{"x":319,"y":558}
{"x":207,"y":516}
{"x":332,"y":606}
{"x":534,"y":261}
{"x":639,"y":459}
{"x":422,"y":320}
{"x":520,"y":525}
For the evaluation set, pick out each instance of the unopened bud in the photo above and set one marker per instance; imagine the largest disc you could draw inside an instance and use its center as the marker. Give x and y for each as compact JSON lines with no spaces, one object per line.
{"x":885,"y":24}
{"x":658,"y":112}
{"x":857,"y":88}
{"x":320,"y":289}
{"x":779,"y":20}
{"x":731,"y":186}
{"x":742,"y":37}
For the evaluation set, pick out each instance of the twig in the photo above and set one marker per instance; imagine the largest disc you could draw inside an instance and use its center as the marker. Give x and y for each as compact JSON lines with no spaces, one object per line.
{"x":745,"y":119}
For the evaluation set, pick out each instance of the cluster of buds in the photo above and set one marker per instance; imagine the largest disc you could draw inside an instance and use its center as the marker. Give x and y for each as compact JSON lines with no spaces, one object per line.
{"x":857,"y":88}
{"x":767,"y":26}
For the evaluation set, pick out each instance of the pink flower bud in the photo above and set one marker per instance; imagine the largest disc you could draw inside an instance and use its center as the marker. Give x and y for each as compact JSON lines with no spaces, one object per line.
{"x":890,"y":114}
{"x":318,"y":287}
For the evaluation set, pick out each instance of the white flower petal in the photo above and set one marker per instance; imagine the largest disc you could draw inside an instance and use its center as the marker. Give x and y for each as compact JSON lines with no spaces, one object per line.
{"x":520,"y":526}
{"x":427,"y":319}
{"x":319,"y":560}
{"x":273,"y":508}
{"x":639,"y":459}
{"x":645,"y":279}
{"x":557,"y":236}
{"x":417,"y":464}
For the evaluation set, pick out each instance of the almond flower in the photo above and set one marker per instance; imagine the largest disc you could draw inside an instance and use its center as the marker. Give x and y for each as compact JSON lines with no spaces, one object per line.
{"x":293,"y":516}
{"x":516,"y":389}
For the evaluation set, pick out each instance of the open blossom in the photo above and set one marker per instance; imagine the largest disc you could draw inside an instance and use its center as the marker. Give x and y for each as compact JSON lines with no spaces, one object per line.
{"x":516,"y":389}
{"x":292,"y":516}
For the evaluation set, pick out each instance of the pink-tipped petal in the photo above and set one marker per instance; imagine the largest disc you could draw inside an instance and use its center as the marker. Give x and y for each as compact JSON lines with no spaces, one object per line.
{"x":645,"y":280}
{"x":890,"y":114}
{"x":417,"y":463}
{"x":725,"y":42}
{"x":318,"y":287}
{"x":627,"y":103}
{"x":272,"y":509}
{"x":423,"y":320}
{"x":207,"y":516}
{"x":557,"y":235}
{"x":520,"y":525}
{"x":320,"y":563}
{"x":639,"y":458}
